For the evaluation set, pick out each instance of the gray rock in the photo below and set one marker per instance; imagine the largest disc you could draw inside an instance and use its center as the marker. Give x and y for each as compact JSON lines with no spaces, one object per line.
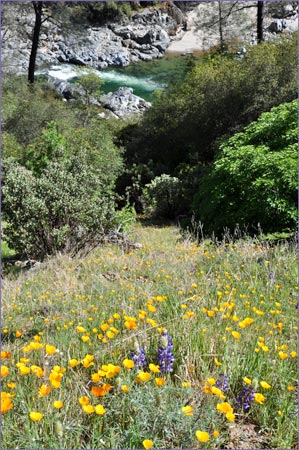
{"x":68,"y":90}
{"x":277,"y":25}
{"x":121,"y":103}
{"x":107,"y":115}
{"x":281,"y":10}
{"x":124,"y":103}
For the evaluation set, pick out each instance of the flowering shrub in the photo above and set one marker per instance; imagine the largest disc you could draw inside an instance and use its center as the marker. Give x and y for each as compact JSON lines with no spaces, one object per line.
{"x":163,"y":196}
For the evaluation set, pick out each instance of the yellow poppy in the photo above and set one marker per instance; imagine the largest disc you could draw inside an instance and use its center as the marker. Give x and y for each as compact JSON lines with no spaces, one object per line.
{"x":50,"y":349}
{"x":142,"y":377}
{"x":188,"y":410}
{"x":99,"y":409}
{"x":6,"y":403}
{"x":154,"y":368}
{"x":35,"y":416}
{"x":4,"y":371}
{"x":147,"y":443}
{"x":44,"y":390}
{"x":259,"y":398}
{"x":125,"y":388}
{"x":128,"y":363}
{"x":84,"y":400}
{"x":224,"y":407}
{"x":265,"y":385}
{"x":160,"y":381}
{"x":202,"y":436}
{"x":57,"y":404}
{"x":88,"y":409}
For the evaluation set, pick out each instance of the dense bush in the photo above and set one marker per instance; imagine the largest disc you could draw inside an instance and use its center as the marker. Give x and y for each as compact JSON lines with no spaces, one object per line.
{"x":219,"y":96}
{"x":65,"y":208}
{"x":28,"y":109}
{"x":163,"y":196}
{"x":97,"y":141}
{"x":58,"y":188}
{"x":253,"y":180}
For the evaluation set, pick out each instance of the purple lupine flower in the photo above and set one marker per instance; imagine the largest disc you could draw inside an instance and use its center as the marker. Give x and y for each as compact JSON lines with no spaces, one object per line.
{"x":272,"y":277}
{"x":165,"y":356}
{"x":138,"y":355}
{"x":246,"y":398}
{"x":222,"y":382}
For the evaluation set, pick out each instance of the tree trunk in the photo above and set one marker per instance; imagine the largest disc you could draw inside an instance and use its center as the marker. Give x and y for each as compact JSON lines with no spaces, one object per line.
{"x":220,"y":27}
{"x":260,"y":19}
{"x":38,"y":9}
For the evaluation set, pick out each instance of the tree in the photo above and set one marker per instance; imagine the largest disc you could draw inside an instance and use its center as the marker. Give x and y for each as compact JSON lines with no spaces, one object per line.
{"x":223,"y":14}
{"x":253,"y":179}
{"x":260,"y":19}
{"x":38,"y":10}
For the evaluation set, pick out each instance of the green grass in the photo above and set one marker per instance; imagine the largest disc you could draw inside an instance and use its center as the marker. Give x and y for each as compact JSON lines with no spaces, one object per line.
{"x":199,"y":294}
{"x":6,"y":252}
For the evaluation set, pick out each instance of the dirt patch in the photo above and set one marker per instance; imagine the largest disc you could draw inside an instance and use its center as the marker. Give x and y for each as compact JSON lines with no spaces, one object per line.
{"x":246,"y":436}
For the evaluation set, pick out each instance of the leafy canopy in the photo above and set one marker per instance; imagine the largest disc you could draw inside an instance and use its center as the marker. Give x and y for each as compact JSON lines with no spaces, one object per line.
{"x":253,"y":181}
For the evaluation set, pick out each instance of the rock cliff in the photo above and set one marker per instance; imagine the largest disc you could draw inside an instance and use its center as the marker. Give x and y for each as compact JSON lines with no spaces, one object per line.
{"x":143,"y":36}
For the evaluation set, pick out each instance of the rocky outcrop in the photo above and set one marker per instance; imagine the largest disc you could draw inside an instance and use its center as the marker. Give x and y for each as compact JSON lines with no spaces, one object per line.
{"x":119,"y":104}
{"x":145,"y":36}
{"x":124,"y":103}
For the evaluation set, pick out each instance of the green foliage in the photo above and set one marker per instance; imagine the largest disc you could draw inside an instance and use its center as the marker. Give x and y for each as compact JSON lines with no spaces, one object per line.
{"x":10,"y":146}
{"x":38,"y":127}
{"x":94,"y":13}
{"x":97,"y":141}
{"x":64,"y":209}
{"x":163,"y":196}
{"x":90,"y":83}
{"x":130,"y":183}
{"x":58,"y":194}
{"x":46,"y":148}
{"x":6,"y":252}
{"x":218,"y":97}
{"x":28,"y":109}
{"x":102,"y":12}
{"x":125,"y":218}
{"x":253,"y":180}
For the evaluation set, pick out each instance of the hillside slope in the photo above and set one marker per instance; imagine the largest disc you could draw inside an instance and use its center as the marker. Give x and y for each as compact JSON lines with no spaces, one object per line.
{"x":139,"y":347}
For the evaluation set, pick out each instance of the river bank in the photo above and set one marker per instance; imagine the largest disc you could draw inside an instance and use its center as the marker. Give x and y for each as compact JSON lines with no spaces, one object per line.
{"x":144,"y":35}
{"x":137,"y":52}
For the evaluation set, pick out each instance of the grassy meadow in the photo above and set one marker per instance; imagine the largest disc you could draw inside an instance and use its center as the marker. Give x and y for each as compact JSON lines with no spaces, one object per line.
{"x":80,"y":338}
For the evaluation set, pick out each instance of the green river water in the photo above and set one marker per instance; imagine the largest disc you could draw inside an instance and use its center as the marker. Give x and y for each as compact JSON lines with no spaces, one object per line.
{"x":144,"y":77}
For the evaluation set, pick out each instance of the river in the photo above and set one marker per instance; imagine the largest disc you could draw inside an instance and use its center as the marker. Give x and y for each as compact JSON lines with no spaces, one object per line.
{"x":144,"y":77}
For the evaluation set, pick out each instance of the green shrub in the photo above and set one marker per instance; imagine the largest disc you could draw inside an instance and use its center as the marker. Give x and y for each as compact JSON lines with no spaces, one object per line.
{"x":124,"y":218}
{"x":253,"y":182}
{"x":48,"y":146}
{"x":64,"y":209}
{"x":10,"y":146}
{"x":27,"y":110}
{"x":130,"y":184}
{"x":163,"y":196}
{"x":102,"y":12}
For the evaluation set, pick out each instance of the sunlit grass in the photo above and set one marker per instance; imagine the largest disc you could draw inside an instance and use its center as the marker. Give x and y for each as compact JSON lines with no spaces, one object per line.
{"x":230,"y":310}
